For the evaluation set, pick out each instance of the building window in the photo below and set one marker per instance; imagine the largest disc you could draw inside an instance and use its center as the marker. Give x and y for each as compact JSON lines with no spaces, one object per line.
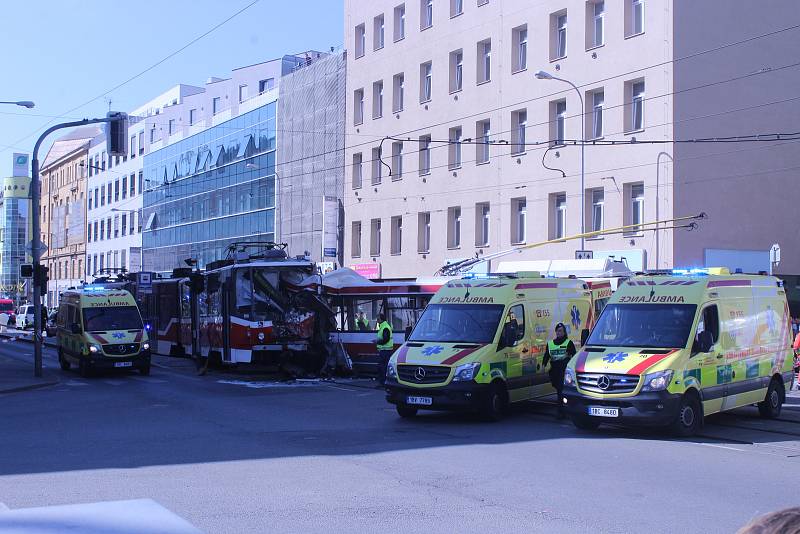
{"x":123,"y":263}
{"x":116,"y":226}
{"x":635,"y":205}
{"x":355,"y":243}
{"x":484,"y":61}
{"x":116,"y":191}
{"x":454,"y":151}
{"x":456,"y":7}
{"x":482,"y":2}
{"x":102,"y":231}
{"x":519,"y":122}
{"x":425,"y":81}
{"x":377,"y":100}
{"x":141,"y":143}
{"x":153,"y":134}
{"x":558,"y":219}
{"x":482,"y":224}
{"x":398,"y":83}
{"x":357,"y":170}
{"x":456,"y":70}
{"x":424,"y":232}
{"x":426,"y":14}
{"x":108,"y":191}
{"x":242,"y":93}
{"x":133,"y":185}
{"x":124,"y":187}
{"x":595,"y":35}
{"x":94,"y":227}
{"x":192,"y":116}
{"x":141,"y":181}
{"x":108,"y":228}
{"x":595,"y":127}
{"x":635,"y":93}
{"x":400,"y":22}
{"x":378,"y":31}
{"x":361,"y":40}
{"x":124,"y":224}
{"x":358,"y":106}
{"x":102,"y":195}
{"x":376,"y":165}
{"x":397,"y":235}
{"x":482,"y":134}
{"x":397,"y":160}
{"x":266,"y":85}
{"x":90,"y":202}
{"x":519,"y":39}
{"x":634,"y":17}
{"x":89,"y":233}
{"x":519,"y":220}
{"x":375,"y":238}
{"x":598,"y":201}
{"x":454,"y":227}
{"x":558,"y":35}
{"x":424,"y":154}
{"x":171,"y":129}
{"x":132,"y":147}
{"x":216,"y":105}
{"x":558,"y":112}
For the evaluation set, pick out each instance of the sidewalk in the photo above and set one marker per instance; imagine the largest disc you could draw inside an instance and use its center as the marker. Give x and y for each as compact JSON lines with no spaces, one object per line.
{"x":16,"y":372}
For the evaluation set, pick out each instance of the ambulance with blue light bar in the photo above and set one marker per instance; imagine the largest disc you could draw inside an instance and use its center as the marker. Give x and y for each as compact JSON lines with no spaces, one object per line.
{"x":101,"y":328}
{"x":480,"y":343}
{"x":669,"y":350}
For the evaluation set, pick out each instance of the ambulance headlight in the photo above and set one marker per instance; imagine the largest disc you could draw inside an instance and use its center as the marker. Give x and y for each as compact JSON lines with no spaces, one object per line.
{"x":94,"y":348}
{"x":390,"y":371}
{"x":657,"y":381}
{"x":569,"y":377}
{"x":466,"y":372}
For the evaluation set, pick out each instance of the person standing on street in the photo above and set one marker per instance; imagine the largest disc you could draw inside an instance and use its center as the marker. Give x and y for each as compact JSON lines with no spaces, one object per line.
{"x":385,"y":346}
{"x":361,"y":322}
{"x":559,"y":351}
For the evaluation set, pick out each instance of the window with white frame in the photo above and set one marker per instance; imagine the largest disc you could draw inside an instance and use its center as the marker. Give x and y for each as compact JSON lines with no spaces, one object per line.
{"x":425,"y":81}
{"x":456,"y":7}
{"x":482,"y":216}
{"x":482,"y":2}
{"x":519,"y":220}
{"x":377,"y":166}
{"x":192,"y":117}
{"x":558,"y":35}
{"x":634,"y":17}
{"x":454,"y":227}
{"x":637,"y":205}
{"x":597,"y":197}
{"x":637,"y":106}
{"x":375,"y":238}
{"x":377,"y":99}
{"x":519,"y":125}
{"x":484,"y":61}
{"x":141,"y":143}
{"x":358,"y":106}
{"x":357,"y":170}
{"x":397,"y":160}
{"x":456,"y":70}
{"x":398,"y":86}
{"x":216,"y":107}
{"x":355,"y":239}
{"x":242,"y":93}
{"x":519,"y":37}
{"x":454,"y":149}
{"x":378,"y":32}
{"x":171,"y":128}
{"x":424,"y":154}
{"x":424,"y":232}
{"x":361,"y":40}
{"x":397,"y":235}
{"x":596,"y":126}
{"x":595,"y":23}
{"x":400,"y":22}
{"x":425,"y":14}
{"x":558,"y":121}
{"x":482,"y":135}
{"x":265,"y":85}
{"x":559,"y":218}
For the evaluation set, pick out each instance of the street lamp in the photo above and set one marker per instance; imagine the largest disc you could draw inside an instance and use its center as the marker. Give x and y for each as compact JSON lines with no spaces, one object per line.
{"x":22,"y":103}
{"x":542,"y":75}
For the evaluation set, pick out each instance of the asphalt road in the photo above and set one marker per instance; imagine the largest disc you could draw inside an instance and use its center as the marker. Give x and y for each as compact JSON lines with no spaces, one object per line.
{"x":237,"y":454}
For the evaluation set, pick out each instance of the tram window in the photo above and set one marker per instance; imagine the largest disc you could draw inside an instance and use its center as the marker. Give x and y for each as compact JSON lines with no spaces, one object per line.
{"x":244,"y":293}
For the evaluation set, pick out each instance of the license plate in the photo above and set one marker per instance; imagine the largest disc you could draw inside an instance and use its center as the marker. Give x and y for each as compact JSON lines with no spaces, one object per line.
{"x":602,"y":411}
{"x":123,"y":364}
{"x":421,"y":401}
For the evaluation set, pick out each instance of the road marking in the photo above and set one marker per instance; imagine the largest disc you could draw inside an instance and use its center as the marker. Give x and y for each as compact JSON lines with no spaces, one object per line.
{"x":267,"y":385}
{"x":721,"y":447}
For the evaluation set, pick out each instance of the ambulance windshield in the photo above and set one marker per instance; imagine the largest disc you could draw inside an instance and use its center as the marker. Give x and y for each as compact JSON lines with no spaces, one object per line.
{"x":112,"y":318}
{"x":660,"y":326}
{"x":458,"y":323}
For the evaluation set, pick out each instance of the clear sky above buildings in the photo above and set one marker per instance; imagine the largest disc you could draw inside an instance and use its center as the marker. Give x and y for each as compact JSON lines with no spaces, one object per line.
{"x":61,"y":54}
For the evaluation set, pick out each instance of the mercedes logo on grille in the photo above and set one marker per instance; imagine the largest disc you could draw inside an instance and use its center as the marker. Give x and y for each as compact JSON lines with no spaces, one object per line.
{"x":123,"y":348}
{"x":419,"y":374}
{"x":603,"y":382}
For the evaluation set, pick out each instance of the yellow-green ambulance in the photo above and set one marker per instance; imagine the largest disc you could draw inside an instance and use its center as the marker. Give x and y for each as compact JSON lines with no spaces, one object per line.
{"x":669,"y":350}
{"x":480,"y":343}
{"x":98,"y":328}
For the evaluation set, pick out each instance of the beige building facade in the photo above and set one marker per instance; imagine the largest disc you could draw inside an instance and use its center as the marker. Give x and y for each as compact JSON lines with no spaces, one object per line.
{"x":63,"y":211}
{"x":457,"y":150}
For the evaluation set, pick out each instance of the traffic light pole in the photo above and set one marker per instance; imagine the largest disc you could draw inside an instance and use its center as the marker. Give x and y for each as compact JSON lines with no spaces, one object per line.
{"x":36,"y":240}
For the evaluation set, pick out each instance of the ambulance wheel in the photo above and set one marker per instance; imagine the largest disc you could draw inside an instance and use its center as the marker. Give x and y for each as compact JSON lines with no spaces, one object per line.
{"x":63,"y":361}
{"x":770,"y":407}
{"x":495,"y":404}
{"x":584,"y":422}
{"x":690,"y":416}
{"x":405,"y":411}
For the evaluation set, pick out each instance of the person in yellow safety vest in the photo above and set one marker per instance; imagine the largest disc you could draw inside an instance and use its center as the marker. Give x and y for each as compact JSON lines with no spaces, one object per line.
{"x":385,"y":346}
{"x":559,"y":351}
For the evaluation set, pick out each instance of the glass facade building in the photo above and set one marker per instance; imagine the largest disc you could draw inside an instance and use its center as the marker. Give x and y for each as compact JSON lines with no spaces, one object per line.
{"x":209,"y":190}
{"x":14,"y":221}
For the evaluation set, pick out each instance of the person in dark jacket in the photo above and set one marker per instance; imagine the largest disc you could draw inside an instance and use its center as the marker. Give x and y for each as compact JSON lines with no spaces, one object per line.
{"x":559,"y":351}
{"x":385,"y":346}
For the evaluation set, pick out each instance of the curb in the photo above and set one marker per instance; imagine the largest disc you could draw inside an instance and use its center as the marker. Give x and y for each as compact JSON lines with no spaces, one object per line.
{"x":29,"y":387}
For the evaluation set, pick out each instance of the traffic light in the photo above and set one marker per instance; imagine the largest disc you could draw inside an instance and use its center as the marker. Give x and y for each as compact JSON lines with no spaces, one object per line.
{"x":117,"y":133}
{"x":40,"y":276}
{"x":26,"y":270}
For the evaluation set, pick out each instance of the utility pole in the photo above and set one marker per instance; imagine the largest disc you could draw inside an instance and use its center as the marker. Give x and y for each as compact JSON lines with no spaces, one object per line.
{"x":118,"y":123}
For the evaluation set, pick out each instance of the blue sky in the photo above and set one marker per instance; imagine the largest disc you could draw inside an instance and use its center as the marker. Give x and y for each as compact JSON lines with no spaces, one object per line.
{"x":79,"y":49}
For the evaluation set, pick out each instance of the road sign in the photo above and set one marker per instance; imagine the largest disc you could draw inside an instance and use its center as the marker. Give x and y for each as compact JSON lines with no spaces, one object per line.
{"x":584,"y":254}
{"x":29,"y":248}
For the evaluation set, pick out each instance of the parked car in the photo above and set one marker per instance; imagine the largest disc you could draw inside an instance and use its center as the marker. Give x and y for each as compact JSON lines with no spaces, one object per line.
{"x":25,"y":316}
{"x":7,"y":309}
{"x":50,"y":324}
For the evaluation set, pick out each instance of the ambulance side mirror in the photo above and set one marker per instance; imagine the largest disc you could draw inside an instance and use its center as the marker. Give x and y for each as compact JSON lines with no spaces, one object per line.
{"x":584,"y":336}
